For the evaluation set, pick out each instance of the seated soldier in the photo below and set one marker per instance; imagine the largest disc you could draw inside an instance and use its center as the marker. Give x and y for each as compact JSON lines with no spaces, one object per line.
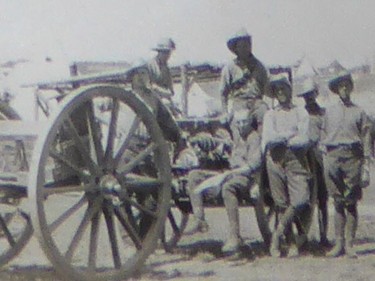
{"x":212,"y":151}
{"x":241,"y":179}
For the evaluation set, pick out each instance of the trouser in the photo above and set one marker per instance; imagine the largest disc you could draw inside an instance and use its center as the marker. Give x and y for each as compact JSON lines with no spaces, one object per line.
{"x":342,"y":171}
{"x":288,"y":178}
{"x":237,"y":187}
{"x":196,"y":177}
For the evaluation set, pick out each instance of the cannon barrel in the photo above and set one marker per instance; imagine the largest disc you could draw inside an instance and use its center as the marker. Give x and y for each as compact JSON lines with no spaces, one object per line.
{"x":103,"y":77}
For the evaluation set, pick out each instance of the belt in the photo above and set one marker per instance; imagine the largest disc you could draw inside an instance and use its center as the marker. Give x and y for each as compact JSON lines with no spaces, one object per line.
{"x":347,"y":146}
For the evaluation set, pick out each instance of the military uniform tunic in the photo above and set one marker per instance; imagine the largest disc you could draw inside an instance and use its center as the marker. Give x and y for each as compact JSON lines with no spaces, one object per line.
{"x":242,"y":87}
{"x":346,"y":139}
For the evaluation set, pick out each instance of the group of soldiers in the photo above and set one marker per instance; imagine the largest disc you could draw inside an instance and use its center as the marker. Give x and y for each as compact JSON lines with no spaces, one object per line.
{"x":284,"y":140}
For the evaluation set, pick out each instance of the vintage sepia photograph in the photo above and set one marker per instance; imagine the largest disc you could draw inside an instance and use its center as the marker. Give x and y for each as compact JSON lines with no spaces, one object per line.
{"x":187,"y":140}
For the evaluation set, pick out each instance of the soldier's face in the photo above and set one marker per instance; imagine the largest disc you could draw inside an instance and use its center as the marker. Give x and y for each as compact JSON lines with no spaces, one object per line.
{"x":310,"y":99}
{"x":164,"y":55}
{"x":283,"y":94}
{"x":243,"y":48}
{"x":344,"y":88}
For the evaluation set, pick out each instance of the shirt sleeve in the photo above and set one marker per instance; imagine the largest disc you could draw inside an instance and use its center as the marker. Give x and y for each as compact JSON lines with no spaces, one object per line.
{"x":224,"y":88}
{"x":267,"y":131}
{"x":365,"y":129}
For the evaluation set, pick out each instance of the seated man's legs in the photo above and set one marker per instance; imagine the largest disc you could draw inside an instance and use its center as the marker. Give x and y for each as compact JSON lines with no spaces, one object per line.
{"x":234,"y":186}
{"x":196,"y":198}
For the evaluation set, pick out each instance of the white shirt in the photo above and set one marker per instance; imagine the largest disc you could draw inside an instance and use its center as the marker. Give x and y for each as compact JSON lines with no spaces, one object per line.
{"x":290,"y":126}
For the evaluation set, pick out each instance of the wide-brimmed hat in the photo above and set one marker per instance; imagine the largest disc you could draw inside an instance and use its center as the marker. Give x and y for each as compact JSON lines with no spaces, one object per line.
{"x":309,"y":87}
{"x":165,"y":44}
{"x":341,"y":76}
{"x":240,"y":34}
{"x":276,"y":79}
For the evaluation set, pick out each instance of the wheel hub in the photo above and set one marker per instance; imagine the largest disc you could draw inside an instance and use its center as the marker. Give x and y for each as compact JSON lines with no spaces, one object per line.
{"x":108,"y":184}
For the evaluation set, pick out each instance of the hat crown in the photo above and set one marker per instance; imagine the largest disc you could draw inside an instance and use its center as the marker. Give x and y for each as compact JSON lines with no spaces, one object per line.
{"x":342,"y":74}
{"x":280,"y":78}
{"x":308,"y":86}
{"x":166,"y":44}
{"x":241,"y":33}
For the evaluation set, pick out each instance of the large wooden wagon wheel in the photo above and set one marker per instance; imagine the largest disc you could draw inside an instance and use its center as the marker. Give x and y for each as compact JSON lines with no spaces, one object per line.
{"x":15,"y":226}
{"x":97,"y":210}
{"x":266,"y":213}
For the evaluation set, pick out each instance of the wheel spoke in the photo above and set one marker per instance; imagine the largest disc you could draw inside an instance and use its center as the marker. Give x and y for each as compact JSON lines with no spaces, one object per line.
{"x":108,"y":215}
{"x":126,"y":142}
{"x":128,"y":167}
{"x":94,"y":235}
{"x":66,"y":161}
{"x":6,"y":231}
{"x":95,"y":134}
{"x":69,"y":189}
{"x":67,"y":214}
{"x":124,"y":220}
{"x":89,"y":214}
{"x":112,"y":131}
{"x":81,"y":146}
{"x":172,"y":220}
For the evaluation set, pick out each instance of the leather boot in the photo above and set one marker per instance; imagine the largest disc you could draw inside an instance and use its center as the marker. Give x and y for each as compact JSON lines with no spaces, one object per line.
{"x":339,"y":248}
{"x":350,"y":230}
{"x":285,"y":220}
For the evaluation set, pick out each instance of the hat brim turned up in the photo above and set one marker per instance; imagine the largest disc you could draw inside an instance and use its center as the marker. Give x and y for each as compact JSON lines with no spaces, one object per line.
{"x":333,"y":84}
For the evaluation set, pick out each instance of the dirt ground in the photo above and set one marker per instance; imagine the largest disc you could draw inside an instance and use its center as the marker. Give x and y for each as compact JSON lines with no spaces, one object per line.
{"x":199,"y":257}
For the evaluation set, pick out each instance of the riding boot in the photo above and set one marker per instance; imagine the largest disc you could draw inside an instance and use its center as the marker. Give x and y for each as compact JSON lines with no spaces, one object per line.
{"x":339,"y":248}
{"x":285,"y":220}
{"x":350,"y":230}
{"x":234,"y":241}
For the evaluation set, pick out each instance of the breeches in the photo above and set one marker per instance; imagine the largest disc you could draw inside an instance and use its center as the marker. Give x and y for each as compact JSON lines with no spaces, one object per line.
{"x":342,"y":171}
{"x":240,"y":185}
{"x":289,"y":180}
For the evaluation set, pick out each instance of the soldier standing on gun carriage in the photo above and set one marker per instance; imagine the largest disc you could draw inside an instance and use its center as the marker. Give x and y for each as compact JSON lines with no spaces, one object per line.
{"x":285,"y":141}
{"x":160,"y":76}
{"x":346,"y":139}
{"x":244,"y":80}
{"x":309,"y":93}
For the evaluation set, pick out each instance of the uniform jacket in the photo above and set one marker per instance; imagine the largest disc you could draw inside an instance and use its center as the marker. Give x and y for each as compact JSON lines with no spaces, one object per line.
{"x":239,"y":80}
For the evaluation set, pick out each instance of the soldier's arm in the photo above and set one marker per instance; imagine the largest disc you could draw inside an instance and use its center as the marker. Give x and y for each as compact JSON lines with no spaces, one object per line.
{"x":224,"y":89}
{"x":365,"y":129}
{"x":161,"y":91}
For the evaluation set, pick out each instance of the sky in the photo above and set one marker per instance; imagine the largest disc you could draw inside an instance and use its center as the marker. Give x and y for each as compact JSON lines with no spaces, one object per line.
{"x":283,"y":30}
